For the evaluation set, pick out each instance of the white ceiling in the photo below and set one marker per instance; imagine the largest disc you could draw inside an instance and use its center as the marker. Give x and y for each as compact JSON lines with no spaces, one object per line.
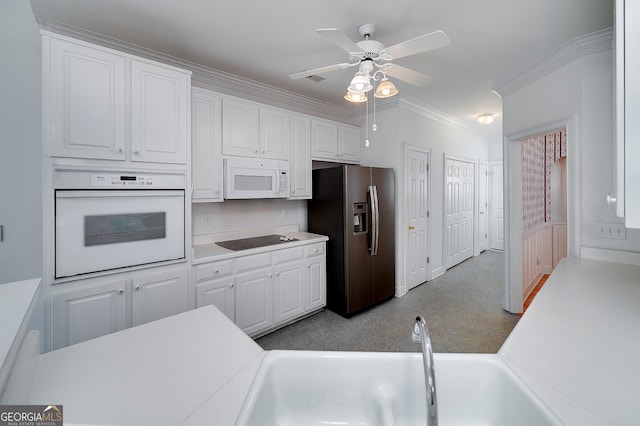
{"x":491,"y":40}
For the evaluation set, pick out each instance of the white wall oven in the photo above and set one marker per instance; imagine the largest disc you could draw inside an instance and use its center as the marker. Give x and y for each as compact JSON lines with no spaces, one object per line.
{"x":108,"y":221}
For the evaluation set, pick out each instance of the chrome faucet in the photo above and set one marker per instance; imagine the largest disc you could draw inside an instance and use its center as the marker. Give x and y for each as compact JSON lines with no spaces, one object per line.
{"x":421,"y":334}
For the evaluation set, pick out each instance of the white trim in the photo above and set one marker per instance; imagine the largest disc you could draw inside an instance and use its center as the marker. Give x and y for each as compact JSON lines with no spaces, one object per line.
{"x":615,"y":256}
{"x":442,"y":117}
{"x":565,"y":54}
{"x":513,"y":219}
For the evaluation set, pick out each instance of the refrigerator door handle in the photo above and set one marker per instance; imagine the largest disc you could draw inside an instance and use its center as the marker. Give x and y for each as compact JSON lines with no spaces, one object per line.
{"x":375,"y":220}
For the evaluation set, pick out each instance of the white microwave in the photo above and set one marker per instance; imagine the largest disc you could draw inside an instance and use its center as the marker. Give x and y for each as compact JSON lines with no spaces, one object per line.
{"x":255,"y":178}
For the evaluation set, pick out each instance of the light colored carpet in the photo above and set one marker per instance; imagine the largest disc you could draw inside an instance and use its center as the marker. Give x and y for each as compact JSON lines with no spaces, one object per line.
{"x":463,"y":309}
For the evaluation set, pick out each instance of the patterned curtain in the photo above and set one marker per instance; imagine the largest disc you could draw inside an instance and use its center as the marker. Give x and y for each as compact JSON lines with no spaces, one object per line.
{"x":539,"y":152}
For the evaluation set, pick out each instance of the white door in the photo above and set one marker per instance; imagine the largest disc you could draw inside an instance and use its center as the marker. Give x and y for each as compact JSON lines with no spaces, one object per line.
{"x":483,"y":206}
{"x":459,"y":210}
{"x":497,"y":207}
{"x":417,"y":217}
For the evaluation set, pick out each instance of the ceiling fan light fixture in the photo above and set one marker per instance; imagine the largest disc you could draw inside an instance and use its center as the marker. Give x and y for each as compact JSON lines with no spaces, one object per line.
{"x":386,"y":89}
{"x":485,"y":119}
{"x":360,"y":83}
{"x":357,"y":97}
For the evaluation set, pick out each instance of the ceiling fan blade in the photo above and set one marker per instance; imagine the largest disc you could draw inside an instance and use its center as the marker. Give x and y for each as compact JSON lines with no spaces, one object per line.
{"x":339,"y":39}
{"x":424,"y":43}
{"x":410,"y":76}
{"x":322,"y":70}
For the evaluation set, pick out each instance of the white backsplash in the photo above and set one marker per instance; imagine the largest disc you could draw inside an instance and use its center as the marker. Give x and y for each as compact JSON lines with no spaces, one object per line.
{"x":245,"y":215}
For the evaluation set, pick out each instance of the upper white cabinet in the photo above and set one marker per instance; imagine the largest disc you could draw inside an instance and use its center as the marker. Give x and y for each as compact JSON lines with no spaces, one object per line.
{"x":106,"y":105}
{"x":206,"y":146}
{"x":331,"y":141}
{"x":300,"y":164}
{"x":628,"y":109}
{"x":252,"y":130}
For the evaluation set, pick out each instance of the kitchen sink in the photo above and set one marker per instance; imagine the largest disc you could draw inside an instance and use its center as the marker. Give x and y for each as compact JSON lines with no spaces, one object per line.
{"x":357,"y":388}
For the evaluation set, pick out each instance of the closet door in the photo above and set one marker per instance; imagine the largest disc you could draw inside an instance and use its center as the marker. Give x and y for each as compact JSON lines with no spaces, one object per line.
{"x":459,"y":210}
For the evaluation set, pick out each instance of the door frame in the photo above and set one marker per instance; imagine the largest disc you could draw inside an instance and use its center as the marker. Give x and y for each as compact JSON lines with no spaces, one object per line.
{"x":444,"y":202}
{"x":512,"y":149}
{"x":405,"y":216}
{"x":482,"y":181}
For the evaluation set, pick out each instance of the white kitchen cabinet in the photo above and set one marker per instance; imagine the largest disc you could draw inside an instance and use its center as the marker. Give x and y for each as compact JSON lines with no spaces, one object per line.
{"x":106,"y":105}
{"x":94,"y":309}
{"x":84,"y":100}
{"x":331,"y":141}
{"x":274,"y":134}
{"x":348,"y":144}
{"x":158,"y":295}
{"x":254,"y":301}
{"x":627,"y":110}
{"x":315,"y":279}
{"x":253,"y":130}
{"x":300,"y":163}
{"x":240,"y":128}
{"x":289,"y":297}
{"x":206,"y":146}
{"x":221,"y":293}
{"x":160,"y":125}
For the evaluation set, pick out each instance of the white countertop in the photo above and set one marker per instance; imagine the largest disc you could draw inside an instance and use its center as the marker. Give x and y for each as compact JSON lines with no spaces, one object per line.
{"x":17,"y":300}
{"x":578,"y":344}
{"x":210,"y":252}
{"x":159,"y":373}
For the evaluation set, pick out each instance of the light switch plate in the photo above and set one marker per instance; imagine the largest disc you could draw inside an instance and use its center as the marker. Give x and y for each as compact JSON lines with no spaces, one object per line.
{"x":616,"y":231}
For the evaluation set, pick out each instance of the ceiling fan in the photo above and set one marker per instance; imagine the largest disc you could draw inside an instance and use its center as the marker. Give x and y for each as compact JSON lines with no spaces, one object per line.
{"x":373,"y":57}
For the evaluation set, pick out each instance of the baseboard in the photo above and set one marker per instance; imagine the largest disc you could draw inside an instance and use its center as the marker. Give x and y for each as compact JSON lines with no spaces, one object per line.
{"x":437,"y":272}
{"x":532,"y":285}
{"x":614,"y":256}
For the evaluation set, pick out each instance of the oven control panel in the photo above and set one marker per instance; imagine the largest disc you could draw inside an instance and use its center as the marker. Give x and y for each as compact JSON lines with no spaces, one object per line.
{"x":115,"y":180}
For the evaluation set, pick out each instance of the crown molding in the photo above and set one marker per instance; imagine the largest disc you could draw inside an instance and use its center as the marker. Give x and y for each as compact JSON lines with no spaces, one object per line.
{"x":442,"y":117}
{"x":213,"y":79}
{"x":576,"y":48}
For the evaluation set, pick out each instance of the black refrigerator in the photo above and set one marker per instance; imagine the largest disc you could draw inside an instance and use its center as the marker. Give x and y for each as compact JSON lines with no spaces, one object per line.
{"x":354,"y":207}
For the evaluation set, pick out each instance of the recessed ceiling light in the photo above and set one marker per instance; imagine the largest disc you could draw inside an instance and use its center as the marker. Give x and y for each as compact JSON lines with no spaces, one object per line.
{"x":485,"y":119}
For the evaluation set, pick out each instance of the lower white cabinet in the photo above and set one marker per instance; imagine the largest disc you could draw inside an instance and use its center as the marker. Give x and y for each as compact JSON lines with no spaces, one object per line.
{"x":93,"y":307}
{"x":254,"y":301}
{"x":264,"y":291}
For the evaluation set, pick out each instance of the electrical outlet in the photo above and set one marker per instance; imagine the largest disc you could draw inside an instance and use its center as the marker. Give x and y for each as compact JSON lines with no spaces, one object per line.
{"x":207,"y":219}
{"x":611,"y":230}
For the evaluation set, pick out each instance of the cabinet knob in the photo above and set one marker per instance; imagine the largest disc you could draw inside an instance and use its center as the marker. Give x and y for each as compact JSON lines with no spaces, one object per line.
{"x":120,"y":291}
{"x":255,"y":152}
{"x":120,"y":150}
{"x":308,"y":266}
{"x":231,"y":285}
{"x":317,"y":250}
{"x":136,"y":152}
{"x":270,"y":275}
{"x":277,"y":274}
{"x":217,"y":192}
{"x":217,"y":271}
{"x":137,"y":288}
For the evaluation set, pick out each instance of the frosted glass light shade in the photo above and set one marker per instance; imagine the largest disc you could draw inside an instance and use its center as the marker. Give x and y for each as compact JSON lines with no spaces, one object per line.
{"x":357,"y":97}
{"x":360,"y":83}
{"x":385,"y":89}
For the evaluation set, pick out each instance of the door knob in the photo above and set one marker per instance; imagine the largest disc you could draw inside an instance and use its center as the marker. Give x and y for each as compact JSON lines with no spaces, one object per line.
{"x":412,"y":227}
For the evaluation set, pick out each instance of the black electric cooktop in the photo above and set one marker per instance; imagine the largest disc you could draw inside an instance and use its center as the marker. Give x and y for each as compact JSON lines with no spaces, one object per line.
{"x":255,"y":242}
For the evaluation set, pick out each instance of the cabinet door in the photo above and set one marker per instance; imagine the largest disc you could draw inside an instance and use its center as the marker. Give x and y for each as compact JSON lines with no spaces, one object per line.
{"x":84,"y":101}
{"x":157,"y":295}
{"x":274,"y":134}
{"x":316,"y":283}
{"x":254,"y":301}
{"x":220,"y":293}
{"x":300,"y":157}
{"x":324,"y":139}
{"x":89,"y":311}
{"x":206,"y":146}
{"x":349,"y":144}
{"x":240,"y":126}
{"x":289,"y":291}
{"x":159,"y":113}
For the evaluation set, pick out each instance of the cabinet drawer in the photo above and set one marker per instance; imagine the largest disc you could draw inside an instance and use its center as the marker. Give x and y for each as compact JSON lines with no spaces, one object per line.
{"x":255,"y":261}
{"x":316,"y":249}
{"x":288,"y":255}
{"x":214,"y":270}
